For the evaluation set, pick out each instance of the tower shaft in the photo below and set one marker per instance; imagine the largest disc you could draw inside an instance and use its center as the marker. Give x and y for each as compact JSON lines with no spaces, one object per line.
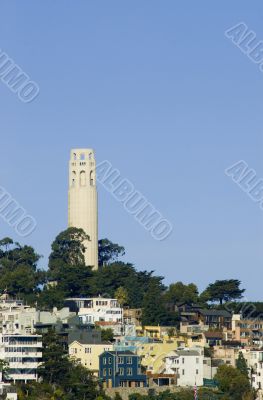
{"x":82,"y":200}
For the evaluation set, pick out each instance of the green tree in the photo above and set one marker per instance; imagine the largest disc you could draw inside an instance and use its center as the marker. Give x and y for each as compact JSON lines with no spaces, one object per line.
{"x":109,"y":252}
{"x":232,"y":382}
{"x":241,"y":365}
{"x":107,"y":335}
{"x":224,"y":290}
{"x":153,"y":310}
{"x":179,"y":292}
{"x":55,"y":367}
{"x":121,"y":294}
{"x":4,"y":368}
{"x":66,"y":377}
{"x":68,"y":248}
{"x":19,"y":274}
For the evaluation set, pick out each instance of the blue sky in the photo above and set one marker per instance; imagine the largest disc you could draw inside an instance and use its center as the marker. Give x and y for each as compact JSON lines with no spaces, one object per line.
{"x":158,"y":90}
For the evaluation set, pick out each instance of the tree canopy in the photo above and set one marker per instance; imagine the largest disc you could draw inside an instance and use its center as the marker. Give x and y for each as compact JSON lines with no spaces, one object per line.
{"x":233,"y":383}
{"x":109,"y":252}
{"x":68,"y":248}
{"x":179,"y":292}
{"x":223,"y":291}
{"x":19,"y":274}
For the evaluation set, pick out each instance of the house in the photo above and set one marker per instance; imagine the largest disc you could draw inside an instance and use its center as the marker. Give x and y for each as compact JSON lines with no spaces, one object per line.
{"x":187,"y":365}
{"x":216,"y":319}
{"x":132,"y":316}
{"x":152,"y":354}
{"x":87,"y":354}
{"x":121,"y":369}
{"x":96,"y":309}
{"x":213,"y":338}
{"x":23,"y":354}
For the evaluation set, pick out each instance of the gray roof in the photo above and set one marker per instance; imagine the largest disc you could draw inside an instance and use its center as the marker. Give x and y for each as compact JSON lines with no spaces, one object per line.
{"x":187,"y":353}
{"x":220,"y":313}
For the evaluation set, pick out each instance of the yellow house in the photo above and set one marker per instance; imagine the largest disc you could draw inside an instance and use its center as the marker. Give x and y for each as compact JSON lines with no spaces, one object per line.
{"x":152,"y":354}
{"x":88,"y":354}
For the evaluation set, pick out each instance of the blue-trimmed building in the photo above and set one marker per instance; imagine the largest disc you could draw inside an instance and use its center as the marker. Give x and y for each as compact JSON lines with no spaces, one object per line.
{"x":121,"y":369}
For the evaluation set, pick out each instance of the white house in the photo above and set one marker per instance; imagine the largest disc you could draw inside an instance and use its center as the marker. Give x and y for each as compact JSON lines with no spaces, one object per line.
{"x":255,"y":364}
{"x":187,"y":364}
{"x":96,"y":309}
{"x":23,"y":354}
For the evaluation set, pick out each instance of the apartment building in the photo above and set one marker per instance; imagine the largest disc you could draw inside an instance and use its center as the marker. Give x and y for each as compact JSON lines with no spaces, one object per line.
{"x":17,"y":318}
{"x":23,"y":354}
{"x":248,"y":331}
{"x":92,"y":310}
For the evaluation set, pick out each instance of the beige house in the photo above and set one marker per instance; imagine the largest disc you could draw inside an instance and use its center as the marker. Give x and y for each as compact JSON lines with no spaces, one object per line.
{"x":88,"y":354}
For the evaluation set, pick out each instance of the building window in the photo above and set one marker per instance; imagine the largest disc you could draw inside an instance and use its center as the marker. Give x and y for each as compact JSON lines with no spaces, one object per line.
{"x":110,"y":371}
{"x":104,"y":372}
{"x":197,"y":372}
{"x":121,"y":371}
{"x":182,"y":371}
{"x":129,"y":371}
{"x":129,"y":360}
{"x":82,"y":156}
{"x":120,"y":360}
{"x":110,"y":360}
{"x":182,"y":360}
{"x":197,"y":361}
{"x":104,"y":360}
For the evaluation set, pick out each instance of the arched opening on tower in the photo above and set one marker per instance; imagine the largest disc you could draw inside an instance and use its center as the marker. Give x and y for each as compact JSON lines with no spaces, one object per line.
{"x":82,"y":178}
{"x":91,"y":178}
{"x":73,"y":179}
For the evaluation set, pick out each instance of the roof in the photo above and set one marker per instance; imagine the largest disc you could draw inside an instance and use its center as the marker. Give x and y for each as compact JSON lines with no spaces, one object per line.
{"x":220,"y":313}
{"x":214,"y":335}
{"x":89,"y":344}
{"x":185,"y":353}
{"x":188,"y":353}
{"x":121,"y":353}
{"x":107,"y":323}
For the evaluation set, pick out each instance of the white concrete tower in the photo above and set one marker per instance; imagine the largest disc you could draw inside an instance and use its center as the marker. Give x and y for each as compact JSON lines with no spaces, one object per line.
{"x":82,"y":200}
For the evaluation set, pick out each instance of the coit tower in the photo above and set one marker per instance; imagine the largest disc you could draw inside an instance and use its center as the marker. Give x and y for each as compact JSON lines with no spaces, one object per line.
{"x":82,"y":200}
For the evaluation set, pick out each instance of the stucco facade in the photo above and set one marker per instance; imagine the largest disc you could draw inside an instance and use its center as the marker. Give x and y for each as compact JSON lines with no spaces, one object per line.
{"x":82,"y":200}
